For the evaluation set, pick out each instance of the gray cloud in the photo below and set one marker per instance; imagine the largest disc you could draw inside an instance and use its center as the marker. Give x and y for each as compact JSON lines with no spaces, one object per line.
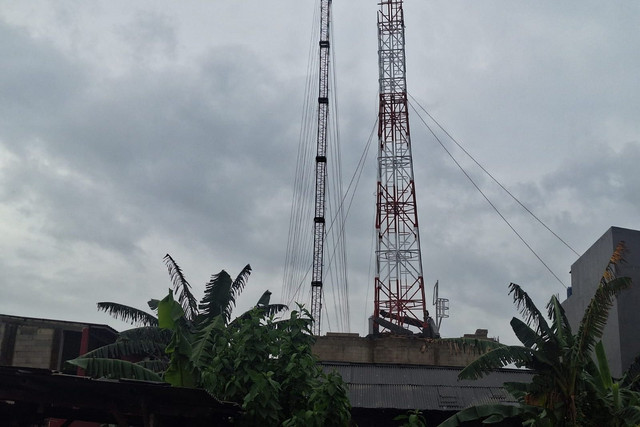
{"x":129,"y":132}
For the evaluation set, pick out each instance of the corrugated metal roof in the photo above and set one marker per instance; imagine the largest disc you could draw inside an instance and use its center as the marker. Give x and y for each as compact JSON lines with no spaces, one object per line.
{"x":422,"y":387}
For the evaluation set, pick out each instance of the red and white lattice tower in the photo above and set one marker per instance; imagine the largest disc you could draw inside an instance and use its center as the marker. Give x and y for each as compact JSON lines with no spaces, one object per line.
{"x":321,"y":168}
{"x":399,"y":284}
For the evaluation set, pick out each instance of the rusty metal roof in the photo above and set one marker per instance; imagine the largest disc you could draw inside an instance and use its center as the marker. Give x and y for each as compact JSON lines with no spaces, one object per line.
{"x":422,"y":387}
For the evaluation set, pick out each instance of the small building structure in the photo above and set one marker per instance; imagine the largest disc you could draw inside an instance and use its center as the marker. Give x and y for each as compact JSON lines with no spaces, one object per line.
{"x":621,"y":336}
{"x":48,"y":344}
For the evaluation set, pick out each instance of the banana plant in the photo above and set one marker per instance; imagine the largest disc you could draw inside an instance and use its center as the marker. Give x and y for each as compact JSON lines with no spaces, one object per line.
{"x":560,"y":359}
{"x":618,"y":404}
{"x":156,"y":347}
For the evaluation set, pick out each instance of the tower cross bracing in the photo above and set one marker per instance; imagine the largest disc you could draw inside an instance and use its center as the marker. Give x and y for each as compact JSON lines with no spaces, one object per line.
{"x":321,"y":168}
{"x":399,"y":283}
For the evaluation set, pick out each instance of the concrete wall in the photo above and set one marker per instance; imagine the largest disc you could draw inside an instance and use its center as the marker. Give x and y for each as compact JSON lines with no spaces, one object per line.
{"x":628,"y":303}
{"x":622,"y":333}
{"x":390,"y":349}
{"x":33,"y":347}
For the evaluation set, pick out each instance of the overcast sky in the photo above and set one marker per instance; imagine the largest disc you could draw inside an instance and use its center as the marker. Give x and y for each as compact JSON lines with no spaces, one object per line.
{"x":129,"y":130}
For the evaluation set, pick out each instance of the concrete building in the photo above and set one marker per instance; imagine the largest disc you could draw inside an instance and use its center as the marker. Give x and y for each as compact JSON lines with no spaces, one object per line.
{"x":622,"y":332}
{"x":44,"y":343}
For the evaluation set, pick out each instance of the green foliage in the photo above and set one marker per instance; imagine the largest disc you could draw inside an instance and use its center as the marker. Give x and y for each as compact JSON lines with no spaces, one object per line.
{"x":182,"y":288}
{"x":490,"y":414}
{"x":613,"y":402}
{"x":180,"y":371}
{"x":568,"y":388}
{"x":131,"y":348}
{"x":261,"y":363}
{"x":268,"y":367}
{"x":128,"y":314}
{"x":152,"y":343}
{"x":169,"y":312}
{"x":220,"y":294}
{"x":412,"y":419}
{"x":113,"y":368}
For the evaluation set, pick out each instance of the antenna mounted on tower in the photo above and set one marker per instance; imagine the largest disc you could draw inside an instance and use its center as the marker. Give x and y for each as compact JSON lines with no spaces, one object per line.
{"x":441,"y":305}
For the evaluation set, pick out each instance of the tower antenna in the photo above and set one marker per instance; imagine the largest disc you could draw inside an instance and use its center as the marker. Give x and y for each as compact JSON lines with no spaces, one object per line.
{"x":399,"y":283}
{"x":441,"y":305}
{"x":321,"y":168}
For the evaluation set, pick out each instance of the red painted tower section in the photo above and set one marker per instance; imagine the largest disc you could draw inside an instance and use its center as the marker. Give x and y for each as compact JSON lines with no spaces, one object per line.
{"x":399,"y":283}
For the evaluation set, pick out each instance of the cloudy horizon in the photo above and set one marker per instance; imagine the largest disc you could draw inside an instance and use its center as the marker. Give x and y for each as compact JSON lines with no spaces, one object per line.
{"x":132,"y":130}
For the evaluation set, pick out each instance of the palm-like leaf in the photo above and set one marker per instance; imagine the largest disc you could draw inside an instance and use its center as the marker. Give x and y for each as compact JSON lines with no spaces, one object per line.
{"x":527,"y":336}
{"x":631,"y":415}
{"x":217,"y":298}
{"x":182,"y":288}
{"x":271,"y":309}
{"x":632,"y":376}
{"x":220,"y":295}
{"x":156,"y":365}
{"x":596,"y":315}
{"x":240,"y":282}
{"x":265,"y":309}
{"x":113,"y":368}
{"x":517,"y":390}
{"x":603,"y":366}
{"x":498,"y":358}
{"x":128,"y":314}
{"x":204,"y":342}
{"x":471,"y":345}
{"x":490,"y":413}
{"x":262,"y":309}
{"x":148,"y":333}
{"x":127,"y":348}
{"x":561,"y":327}
{"x":265,"y":298}
{"x":529,"y":310}
{"x":568,"y":385}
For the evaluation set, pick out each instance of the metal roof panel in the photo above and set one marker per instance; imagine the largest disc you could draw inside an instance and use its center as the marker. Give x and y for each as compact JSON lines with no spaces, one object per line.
{"x":422,"y":387}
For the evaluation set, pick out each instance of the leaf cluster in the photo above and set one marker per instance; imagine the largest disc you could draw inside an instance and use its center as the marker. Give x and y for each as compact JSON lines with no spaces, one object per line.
{"x":147,"y":349}
{"x":567,"y":387}
{"x":263,"y":363}
{"x":267,"y":365}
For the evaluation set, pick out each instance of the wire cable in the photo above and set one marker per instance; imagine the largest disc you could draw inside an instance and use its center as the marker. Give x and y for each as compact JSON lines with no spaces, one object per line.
{"x":486,"y":197}
{"x":492,"y":177}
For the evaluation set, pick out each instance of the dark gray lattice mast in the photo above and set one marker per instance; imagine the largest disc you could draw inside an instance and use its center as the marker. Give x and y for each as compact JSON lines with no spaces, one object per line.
{"x":321,"y":168}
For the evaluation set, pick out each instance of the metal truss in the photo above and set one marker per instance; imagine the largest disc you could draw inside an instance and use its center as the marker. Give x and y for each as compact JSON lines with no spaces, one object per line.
{"x":399,"y":283}
{"x":321,"y":168}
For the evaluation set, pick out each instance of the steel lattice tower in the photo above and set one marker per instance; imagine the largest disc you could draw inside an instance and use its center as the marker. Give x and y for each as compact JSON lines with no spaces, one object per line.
{"x":399,"y":284}
{"x":321,"y":168}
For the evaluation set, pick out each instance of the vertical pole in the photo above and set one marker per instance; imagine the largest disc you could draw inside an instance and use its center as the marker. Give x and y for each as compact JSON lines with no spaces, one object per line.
{"x":84,"y":347}
{"x":321,"y":168}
